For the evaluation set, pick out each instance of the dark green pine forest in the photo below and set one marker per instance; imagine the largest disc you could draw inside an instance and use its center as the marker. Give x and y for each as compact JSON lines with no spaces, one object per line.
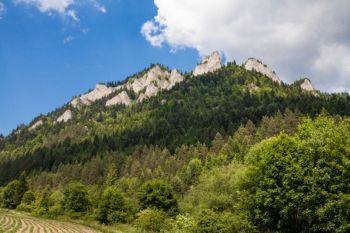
{"x":211,"y":155}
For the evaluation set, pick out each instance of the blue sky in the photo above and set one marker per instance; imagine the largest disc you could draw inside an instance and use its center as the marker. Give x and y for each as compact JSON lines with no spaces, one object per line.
{"x":40,"y":71}
{"x":52,"y":50}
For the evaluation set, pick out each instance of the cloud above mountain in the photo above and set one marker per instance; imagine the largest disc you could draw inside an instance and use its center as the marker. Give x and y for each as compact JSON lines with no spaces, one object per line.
{"x":295,"y":37}
{"x":62,"y":7}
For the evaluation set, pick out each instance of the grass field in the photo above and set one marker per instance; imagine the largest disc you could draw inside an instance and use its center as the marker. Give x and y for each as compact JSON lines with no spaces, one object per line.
{"x":16,"y":222}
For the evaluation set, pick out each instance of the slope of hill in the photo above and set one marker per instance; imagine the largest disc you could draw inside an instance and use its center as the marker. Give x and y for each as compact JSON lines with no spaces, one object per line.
{"x":160,"y":130}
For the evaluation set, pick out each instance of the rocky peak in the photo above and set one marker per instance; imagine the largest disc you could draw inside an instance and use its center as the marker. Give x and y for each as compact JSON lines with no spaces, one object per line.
{"x":208,"y":64}
{"x":254,"y":64}
{"x":99,"y":92}
{"x":154,"y":80}
{"x":36,"y":124}
{"x":306,"y":85}
{"x":66,"y":116}
{"x":154,"y":75}
{"x":175,"y":77}
{"x":121,"y":98}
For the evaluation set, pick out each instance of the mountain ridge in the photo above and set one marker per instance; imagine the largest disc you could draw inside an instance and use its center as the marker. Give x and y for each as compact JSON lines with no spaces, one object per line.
{"x":146,"y":87}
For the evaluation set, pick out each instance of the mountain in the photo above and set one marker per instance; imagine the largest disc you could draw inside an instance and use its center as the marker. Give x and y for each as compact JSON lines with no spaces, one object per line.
{"x":164,"y":108}
{"x":161,"y":124}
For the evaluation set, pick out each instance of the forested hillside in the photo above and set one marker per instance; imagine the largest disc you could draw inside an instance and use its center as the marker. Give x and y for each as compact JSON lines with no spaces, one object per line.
{"x":225,"y":151}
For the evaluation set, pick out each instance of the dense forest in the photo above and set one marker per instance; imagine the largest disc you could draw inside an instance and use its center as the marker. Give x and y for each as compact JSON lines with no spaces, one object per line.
{"x":210,"y":155}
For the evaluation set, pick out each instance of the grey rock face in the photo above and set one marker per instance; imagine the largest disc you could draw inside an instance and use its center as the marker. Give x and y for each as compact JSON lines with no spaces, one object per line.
{"x":254,"y":64}
{"x":208,"y":64}
{"x":307,"y":86}
{"x":66,"y":116}
{"x":121,"y":98}
{"x":36,"y":124}
{"x":98,"y":93}
{"x":153,"y":81}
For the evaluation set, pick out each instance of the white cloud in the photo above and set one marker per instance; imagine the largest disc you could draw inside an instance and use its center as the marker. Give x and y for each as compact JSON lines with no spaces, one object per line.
{"x":62,"y":7}
{"x":2,"y":10}
{"x":68,"y":39}
{"x":153,"y":33}
{"x":46,"y":6}
{"x":73,"y":15}
{"x":334,"y":61}
{"x":98,"y":6}
{"x":294,"y":37}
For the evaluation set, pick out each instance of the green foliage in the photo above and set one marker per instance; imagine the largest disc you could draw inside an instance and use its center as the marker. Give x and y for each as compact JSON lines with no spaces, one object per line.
{"x":210,"y":144}
{"x":76,"y":199}
{"x":300,"y":184}
{"x":13,"y":192}
{"x":158,"y":194}
{"x":9,"y":195}
{"x":28,"y":197}
{"x":42,"y":203}
{"x":112,"y":175}
{"x":151,"y":220}
{"x":183,"y":223}
{"x":111,"y":207}
{"x":210,"y":222}
{"x":27,"y":201}
{"x":192,"y":171}
{"x":195,"y":111}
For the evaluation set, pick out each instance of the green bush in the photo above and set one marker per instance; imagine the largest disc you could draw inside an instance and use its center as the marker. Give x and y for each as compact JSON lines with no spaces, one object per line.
{"x":212,"y":222}
{"x":9,"y":195}
{"x":27,"y":202}
{"x":111,"y":207}
{"x":55,"y":211}
{"x":158,"y":194}
{"x":76,"y":199}
{"x":42,"y":203}
{"x":28,"y":198}
{"x":301,"y":183}
{"x":183,"y":223}
{"x":151,"y":220}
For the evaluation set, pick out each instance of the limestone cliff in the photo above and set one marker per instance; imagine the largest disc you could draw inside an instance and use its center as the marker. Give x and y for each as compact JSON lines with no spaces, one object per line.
{"x":66,"y":116}
{"x":121,"y":98}
{"x":208,"y":64}
{"x":98,"y":93}
{"x":306,"y":85}
{"x":36,"y":124}
{"x":256,"y":65}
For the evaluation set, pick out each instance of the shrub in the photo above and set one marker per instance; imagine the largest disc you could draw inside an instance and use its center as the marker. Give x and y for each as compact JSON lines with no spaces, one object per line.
{"x":28,"y":198}
{"x":300,"y":183}
{"x":158,"y":194}
{"x":111,"y":207}
{"x":210,"y":222}
{"x":9,"y":195}
{"x":182,"y":224}
{"x":151,"y":220}
{"x":76,"y":199}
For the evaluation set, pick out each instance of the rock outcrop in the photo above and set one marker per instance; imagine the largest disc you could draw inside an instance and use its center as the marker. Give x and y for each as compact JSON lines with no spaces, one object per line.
{"x":98,"y":93}
{"x":175,"y":77}
{"x":121,"y":98}
{"x":153,"y":81}
{"x":66,"y":116}
{"x":306,"y":85}
{"x":252,"y":87}
{"x":256,"y":65}
{"x":36,"y":124}
{"x":208,"y":64}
